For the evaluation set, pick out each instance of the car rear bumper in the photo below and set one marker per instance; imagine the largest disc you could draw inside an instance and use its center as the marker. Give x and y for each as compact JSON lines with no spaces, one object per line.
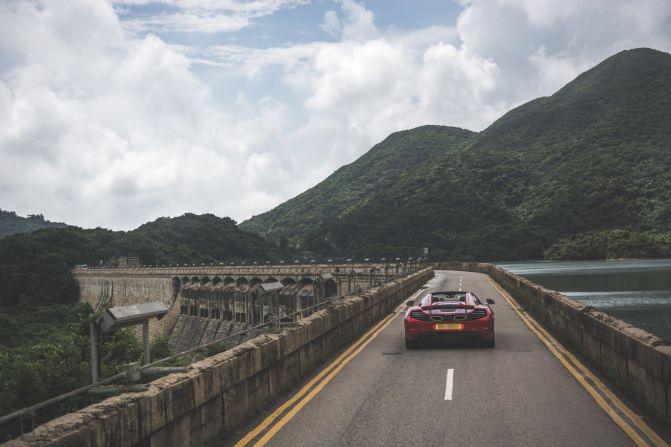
{"x":425,"y":331}
{"x":450,"y":337}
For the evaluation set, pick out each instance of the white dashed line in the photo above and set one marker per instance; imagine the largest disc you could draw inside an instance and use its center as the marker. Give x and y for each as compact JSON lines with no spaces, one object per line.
{"x":448,"y":384}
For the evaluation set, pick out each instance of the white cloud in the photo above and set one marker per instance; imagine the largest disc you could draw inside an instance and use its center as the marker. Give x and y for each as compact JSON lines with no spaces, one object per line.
{"x":189,"y":23}
{"x":114,"y":132}
{"x":331,"y":23}
{"x":104,"y":126}
{"x":368,"y":87}
{"x":203,"y":16}
{"x":359,"y":23}
{"x":555,"y":71}
{"x":530,"y":40}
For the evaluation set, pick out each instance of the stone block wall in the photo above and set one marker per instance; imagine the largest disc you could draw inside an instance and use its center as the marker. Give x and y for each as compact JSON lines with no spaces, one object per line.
{"x":638,"y":362}
{"x":220,"y":392}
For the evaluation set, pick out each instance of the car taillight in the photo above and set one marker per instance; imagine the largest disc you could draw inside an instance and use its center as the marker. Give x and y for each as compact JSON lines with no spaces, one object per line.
{"x":419,"y":315}
{"x":476,"y":314}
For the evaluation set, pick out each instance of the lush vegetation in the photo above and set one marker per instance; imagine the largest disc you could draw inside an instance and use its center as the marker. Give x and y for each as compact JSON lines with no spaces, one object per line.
{"x":612,"y":244}
{"x":55,"y":362}
{"x":581,"y":174}
{"x":10,"y":223}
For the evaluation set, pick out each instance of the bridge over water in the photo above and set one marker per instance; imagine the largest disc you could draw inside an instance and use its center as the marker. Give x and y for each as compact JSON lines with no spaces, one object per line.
{"x":561,"y":374}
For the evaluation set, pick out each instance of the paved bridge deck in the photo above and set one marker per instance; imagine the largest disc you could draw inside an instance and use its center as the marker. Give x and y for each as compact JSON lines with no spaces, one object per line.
{"x":382,"y":394}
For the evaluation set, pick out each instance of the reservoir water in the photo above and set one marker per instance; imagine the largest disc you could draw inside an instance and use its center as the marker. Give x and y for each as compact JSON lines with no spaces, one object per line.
{"x":636,"y":291}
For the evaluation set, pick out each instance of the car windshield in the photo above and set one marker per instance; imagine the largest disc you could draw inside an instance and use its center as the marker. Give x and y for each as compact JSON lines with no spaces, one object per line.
{"x":441,"y":297}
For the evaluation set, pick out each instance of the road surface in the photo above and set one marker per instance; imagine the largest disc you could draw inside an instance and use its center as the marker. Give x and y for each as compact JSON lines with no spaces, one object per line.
{"x":518,"y":393}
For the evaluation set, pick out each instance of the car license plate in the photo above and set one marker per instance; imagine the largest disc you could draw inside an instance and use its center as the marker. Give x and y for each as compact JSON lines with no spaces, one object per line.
{"x":448,"y":326}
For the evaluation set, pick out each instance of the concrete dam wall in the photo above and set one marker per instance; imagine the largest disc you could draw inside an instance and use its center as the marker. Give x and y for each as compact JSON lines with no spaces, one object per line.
{"x":209,"y":303}
{"x":123,"y":289}
{"x":106,"y":290}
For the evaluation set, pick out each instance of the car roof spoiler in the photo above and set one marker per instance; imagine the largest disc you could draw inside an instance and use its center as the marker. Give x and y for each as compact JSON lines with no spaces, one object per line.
{"x":444,"y":305}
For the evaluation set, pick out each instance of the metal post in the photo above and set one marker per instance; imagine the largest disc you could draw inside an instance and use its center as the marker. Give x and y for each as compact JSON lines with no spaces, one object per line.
{"x":274,"y":304}
{"x":145,"y":341}
{"x":95,"y":366}
{"x":253,"y":305}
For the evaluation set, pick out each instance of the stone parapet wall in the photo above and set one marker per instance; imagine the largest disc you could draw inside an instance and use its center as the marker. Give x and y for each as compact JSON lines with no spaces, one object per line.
{"x":638,"y":362}
{"x":221,"y":392}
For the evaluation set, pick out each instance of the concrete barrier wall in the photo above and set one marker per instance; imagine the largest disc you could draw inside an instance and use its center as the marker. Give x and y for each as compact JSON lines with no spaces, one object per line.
{"x":638,"y":362}
{"x":222,"y":392}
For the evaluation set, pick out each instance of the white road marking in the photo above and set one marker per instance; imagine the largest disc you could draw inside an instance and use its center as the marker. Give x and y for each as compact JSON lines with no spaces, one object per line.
{"x":448,"y":384}
{"x":460,"y":279}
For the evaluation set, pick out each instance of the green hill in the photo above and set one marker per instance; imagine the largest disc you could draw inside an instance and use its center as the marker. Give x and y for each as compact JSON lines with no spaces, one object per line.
{"x":35,"y":267}
{"x":353,"y":185}
{"x":583,"y":173}
{"x":10,"y":223}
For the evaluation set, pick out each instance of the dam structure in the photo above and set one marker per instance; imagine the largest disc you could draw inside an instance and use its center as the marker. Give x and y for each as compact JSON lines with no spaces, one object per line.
{"x":209,"y":303}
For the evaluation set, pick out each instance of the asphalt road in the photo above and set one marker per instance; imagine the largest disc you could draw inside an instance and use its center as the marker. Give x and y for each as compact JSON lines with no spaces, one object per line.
{"x":515,"y":394}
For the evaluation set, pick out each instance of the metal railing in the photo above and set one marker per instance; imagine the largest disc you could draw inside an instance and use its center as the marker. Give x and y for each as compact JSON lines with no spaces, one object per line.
{"x":31,"y":409}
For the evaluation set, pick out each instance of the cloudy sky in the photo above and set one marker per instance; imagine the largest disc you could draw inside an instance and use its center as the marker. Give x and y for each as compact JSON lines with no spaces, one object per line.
{"x":116,"y":112}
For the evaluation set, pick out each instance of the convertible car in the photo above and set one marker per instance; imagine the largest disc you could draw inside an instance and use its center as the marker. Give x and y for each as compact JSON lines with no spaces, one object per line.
{"x":449,"y":316}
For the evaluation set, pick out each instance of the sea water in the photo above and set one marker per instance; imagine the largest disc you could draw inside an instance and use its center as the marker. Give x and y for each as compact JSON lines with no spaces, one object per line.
{"x":636,"y":291}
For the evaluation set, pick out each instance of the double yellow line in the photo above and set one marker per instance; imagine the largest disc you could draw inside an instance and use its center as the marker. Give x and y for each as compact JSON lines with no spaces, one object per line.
{"x":271,"y":425}
{"x":632,"y":424}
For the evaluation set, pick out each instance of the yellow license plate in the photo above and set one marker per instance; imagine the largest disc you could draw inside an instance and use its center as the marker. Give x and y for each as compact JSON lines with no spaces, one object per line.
{"x":448,"y":326}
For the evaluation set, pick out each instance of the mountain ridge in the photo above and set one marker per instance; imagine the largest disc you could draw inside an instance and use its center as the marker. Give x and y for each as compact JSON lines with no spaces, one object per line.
{"x":590,"y":159}
{"x":393,"y":157}
{"x":11,"y":223}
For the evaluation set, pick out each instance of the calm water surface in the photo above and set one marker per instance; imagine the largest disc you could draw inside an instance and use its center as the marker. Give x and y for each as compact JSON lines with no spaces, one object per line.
{"x":638,"y":292}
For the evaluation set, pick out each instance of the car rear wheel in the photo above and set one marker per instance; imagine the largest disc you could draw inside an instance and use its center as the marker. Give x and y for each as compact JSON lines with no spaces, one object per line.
{"x":411,"y":344}
{"x":488,"y":343}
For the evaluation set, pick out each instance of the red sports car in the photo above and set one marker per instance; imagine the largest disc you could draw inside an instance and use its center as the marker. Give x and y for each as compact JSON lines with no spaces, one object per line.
{"x":449,"y":315}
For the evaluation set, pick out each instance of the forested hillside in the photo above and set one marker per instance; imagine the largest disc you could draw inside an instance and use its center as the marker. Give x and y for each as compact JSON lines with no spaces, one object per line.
{"x":10,"y":223}
{"x":353,"y":185}
{"x":581,"y":174}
